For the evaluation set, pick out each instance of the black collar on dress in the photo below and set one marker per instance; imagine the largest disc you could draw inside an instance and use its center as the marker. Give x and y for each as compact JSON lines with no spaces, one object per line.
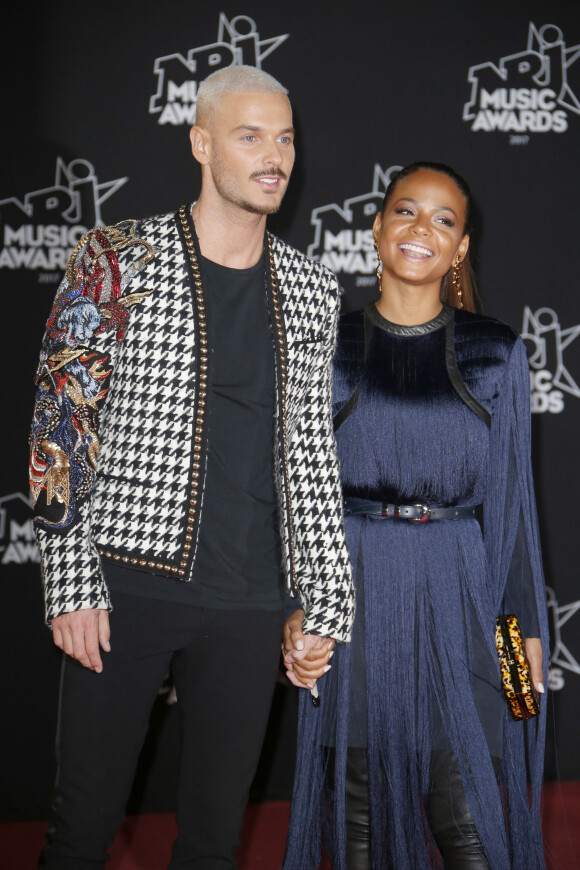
{"x":377,"y":319}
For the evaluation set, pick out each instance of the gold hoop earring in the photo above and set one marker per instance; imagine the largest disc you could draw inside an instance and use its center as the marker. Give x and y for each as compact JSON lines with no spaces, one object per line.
{"x":456,"y":279}
{"x":379,"y":265}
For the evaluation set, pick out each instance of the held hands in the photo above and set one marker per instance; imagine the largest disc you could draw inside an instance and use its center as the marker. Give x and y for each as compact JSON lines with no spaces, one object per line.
{"x":306,"y":656}
{"x":533,"y":648}
{"x":79,"y":635}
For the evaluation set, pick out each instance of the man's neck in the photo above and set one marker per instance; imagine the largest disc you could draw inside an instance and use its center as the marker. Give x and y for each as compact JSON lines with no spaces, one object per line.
{"x":227,"y":234}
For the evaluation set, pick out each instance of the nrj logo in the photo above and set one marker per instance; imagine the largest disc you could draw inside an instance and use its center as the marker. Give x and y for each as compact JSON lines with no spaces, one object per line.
{"x":179,"y":76}
{"x":561,"y":659}
{"x":17,"y":542}
{"x":525,"y":92}
{"x":343,"y":234}
{"x":546,"y":342}
{"x":41,"y":231}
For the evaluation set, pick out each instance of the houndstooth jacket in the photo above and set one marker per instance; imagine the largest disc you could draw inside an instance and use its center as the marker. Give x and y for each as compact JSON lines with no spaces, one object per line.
{"x":119,"y":434}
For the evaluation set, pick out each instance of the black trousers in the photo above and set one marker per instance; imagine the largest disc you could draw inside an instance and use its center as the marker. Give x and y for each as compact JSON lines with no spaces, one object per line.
{"x":224,"y":666}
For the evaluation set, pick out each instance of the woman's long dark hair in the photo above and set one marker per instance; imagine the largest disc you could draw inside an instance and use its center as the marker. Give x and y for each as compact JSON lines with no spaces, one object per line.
{"x":469,"y":296}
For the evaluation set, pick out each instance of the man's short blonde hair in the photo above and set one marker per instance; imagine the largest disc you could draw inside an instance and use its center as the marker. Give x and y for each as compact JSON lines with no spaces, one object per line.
{"x":232,"y":79}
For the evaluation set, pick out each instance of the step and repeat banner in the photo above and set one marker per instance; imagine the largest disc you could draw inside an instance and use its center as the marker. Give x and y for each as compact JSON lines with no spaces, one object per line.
{"x":97,"y":107}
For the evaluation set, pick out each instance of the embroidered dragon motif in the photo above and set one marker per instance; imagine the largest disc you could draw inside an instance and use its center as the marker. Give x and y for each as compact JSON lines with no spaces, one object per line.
{"x":73,"y":377}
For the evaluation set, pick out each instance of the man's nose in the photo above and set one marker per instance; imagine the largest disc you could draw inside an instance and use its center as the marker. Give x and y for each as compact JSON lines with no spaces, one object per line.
{"x":273,"y":153}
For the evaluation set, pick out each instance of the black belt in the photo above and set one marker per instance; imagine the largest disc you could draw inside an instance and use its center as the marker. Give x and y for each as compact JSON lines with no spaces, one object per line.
{"x":416,"y":513}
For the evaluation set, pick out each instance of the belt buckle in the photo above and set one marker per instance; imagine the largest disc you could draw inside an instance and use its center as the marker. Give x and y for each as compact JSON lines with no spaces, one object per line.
{"x":425,"y":514}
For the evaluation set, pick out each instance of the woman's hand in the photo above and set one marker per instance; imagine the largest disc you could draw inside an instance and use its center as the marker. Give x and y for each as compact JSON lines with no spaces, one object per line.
{"x":533,"y":648}
{"x":306,"y":656}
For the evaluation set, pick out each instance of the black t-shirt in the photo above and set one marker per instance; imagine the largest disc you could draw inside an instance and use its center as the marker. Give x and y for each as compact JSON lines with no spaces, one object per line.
{"x":237,"y":562}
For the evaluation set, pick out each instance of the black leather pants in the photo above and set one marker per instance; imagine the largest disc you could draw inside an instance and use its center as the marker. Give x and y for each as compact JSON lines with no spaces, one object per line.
{"x":450,"y":817}
{"x":357,"y":807}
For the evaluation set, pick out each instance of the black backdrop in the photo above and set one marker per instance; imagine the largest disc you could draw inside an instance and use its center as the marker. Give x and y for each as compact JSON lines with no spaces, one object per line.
{"x":97,"y":100}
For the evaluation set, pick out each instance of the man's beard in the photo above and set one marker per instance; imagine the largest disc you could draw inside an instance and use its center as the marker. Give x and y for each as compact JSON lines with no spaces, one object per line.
{"x":257,"y":209}
{"x":222,"y":178}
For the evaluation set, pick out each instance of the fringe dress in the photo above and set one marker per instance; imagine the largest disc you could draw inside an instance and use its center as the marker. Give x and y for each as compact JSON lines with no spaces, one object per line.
{"x":421,"y":673}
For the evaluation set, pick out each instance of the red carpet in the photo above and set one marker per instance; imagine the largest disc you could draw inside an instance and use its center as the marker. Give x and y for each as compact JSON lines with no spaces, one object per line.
{"x":144,"y":842}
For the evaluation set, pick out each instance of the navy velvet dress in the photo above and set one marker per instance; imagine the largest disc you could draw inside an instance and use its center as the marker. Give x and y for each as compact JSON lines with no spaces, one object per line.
{"x":421,"y":673}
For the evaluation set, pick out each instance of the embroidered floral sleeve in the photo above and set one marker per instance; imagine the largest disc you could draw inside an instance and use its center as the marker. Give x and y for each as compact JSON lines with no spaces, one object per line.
{"x":87,"y":322}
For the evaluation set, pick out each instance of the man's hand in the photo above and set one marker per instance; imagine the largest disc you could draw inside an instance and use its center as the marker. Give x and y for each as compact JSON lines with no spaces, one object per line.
{"x":306,"y":656}
{"x":80,"y":633}
{"x":533,"y":648}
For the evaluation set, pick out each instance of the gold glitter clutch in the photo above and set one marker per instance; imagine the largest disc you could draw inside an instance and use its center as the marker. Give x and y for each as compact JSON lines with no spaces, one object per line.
{"x":516,"y":677}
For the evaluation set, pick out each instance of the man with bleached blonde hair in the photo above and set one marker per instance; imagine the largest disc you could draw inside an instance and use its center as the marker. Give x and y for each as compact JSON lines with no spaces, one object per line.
{"x":195,"y":481}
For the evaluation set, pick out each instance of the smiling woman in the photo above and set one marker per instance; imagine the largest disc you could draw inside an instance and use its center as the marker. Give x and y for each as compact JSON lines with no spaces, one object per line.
{"x":410,"y":752}
{"x":419,"y":240}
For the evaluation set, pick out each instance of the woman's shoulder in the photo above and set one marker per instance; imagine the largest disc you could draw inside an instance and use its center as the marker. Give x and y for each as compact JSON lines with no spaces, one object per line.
{"x":350,"y":320}
{"x":351,"y":327}
{"x":349,"y":356}
{"x":488,"y":334}
{"x":486,"y":350}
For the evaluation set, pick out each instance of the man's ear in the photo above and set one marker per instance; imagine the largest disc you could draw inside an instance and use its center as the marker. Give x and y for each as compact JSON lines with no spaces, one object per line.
{"x":200,"y":144}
